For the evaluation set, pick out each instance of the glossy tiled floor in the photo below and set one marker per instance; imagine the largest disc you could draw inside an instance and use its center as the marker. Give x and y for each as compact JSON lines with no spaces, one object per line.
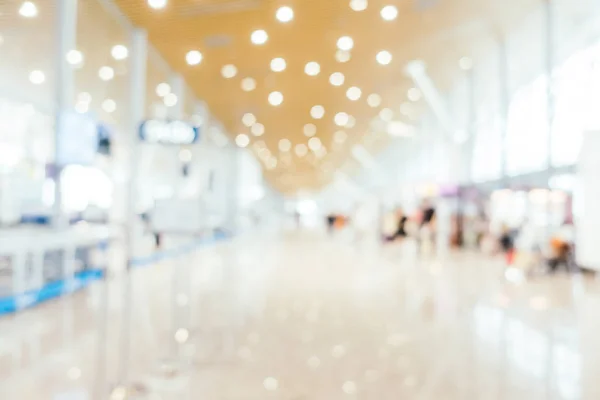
{"x":304,"y":317}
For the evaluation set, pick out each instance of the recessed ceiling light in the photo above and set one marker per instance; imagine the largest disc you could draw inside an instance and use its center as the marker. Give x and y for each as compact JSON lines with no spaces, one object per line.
{"x":163,"y":89}
{"x":389,"y":13}
{"x":28,"y":9}
{"x":170,"y":100}
{"x":342,"y":56}
{"x":248,"y":84}
{"x":259,"y":37}
{"x":248,"y":119}
{"x":284,"y":14}
{"x":414,"y":94}
{"x":384,"y":57}
{"x":271,"y":162}
{"x":317,"y":112}
{"x":119,"y":52}
{"x":285,"y":145}
{"x":106,"y":73}
{"x":337,"y":79}
{"x":229,"y":71}
{"x":301,"y":150}
{"x":345,"y":43}
{"x":312,"y":68}
{"x":353,"y":93}
{"x":465,"y":63}
{"x":386,"y":114}
{"x":340,"y":136}
{"x":109,"y":105}
{"x":374,"y":100}
{"x":278,"y":64}
{"x":310,"y":130}
{"x":359,"y":5}
{"x":275,"y":98}
{"x":37,"y":77}
{"x":157,"y":4}
{"x":258,"y":129}
{"x":242,"y":140}
{"x":341,"y":119}
{"x":74,"y":57}
{"x":193,"y":57}
{"x":314,"y":143}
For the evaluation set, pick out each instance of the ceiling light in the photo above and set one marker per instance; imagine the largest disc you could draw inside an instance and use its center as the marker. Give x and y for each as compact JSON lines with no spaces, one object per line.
{"x":284,"y":14}
{"x":259,"y":37}
{"x":312,"y":68}
{"x":193,"y":57}
{"x":229,"y":71}
{"x":285,"y":145}
{"x":353,"y":93}
{"x":310,"y":130}
{"x":275,"y":98}
{"x":359,"y":5}
{"x":345,"y":43}
{"x":414,"y":94}
{"x":342,"y":56}
{"x":242,"y":140}
{"x":314,"y":143}
{"x":109,"y":105}
{"x":278,"y":64}
{"x":106,"y":73}
{"x":248,"y":84}
{"x":37,"y":77}
{"x":157,"y":4}
{"x":317,"y":112}
{"x":170,"y":100}
{"x":301,"y":150}
{"x":74,"y":57}
{"x":466,"y":63}
{"x":337,"y":79}
{"x":163,"y":89}
{"x":386,"y":114}
{"x":258,"y":129}
{"x":248,"y":119}
{"x":384,"y":57}
{"x":84,"y":97}
{"x":119,"y":52}
{"x":341,"y":119}
{"x":28,"y":10}
{"x":389,"y":13}
{"x":340,"y":137}
{"x":374,"y":100}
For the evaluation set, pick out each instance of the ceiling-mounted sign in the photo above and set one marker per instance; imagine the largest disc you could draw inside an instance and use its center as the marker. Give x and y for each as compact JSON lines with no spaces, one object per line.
{"x":168,"y":132}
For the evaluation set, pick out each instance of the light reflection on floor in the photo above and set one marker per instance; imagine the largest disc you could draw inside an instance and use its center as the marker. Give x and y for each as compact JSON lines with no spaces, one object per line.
{"x":308,"y":317}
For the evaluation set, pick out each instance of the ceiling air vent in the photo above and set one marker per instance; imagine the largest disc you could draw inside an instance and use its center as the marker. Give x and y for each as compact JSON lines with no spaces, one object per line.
{"x":212,"y":7}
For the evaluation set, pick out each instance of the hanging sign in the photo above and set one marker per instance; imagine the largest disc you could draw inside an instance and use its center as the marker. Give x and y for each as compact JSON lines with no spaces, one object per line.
{"x":168,"y":132}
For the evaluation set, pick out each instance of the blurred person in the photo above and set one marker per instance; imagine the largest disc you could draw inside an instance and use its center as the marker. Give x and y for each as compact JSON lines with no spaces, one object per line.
{"x":561,"y":248}
{"x":507,"y":244}
{"x":427,"y":226}
{"x":401,"y":225}
{"x":330,"y":221}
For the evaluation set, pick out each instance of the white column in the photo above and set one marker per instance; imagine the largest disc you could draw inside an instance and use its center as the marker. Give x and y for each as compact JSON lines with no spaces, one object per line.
{"x":504,"y":80}
{"x":66,"y":31}
{"x":549,"y":59}
{"x":178,"y":89}
{"x":137,"y":100}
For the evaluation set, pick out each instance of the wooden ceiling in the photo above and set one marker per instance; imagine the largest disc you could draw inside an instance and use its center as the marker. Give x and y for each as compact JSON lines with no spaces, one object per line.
{"x":438,"y":32}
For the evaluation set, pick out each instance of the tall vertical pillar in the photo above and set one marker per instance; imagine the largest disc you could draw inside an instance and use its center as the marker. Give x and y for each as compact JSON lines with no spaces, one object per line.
{"x":233,"y":186}
{"x":66,"y":39}
{"x":471,"y":125}
{"x":504,"y":80}
{"x":549,"y":66}
{"x":137,"y":100}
